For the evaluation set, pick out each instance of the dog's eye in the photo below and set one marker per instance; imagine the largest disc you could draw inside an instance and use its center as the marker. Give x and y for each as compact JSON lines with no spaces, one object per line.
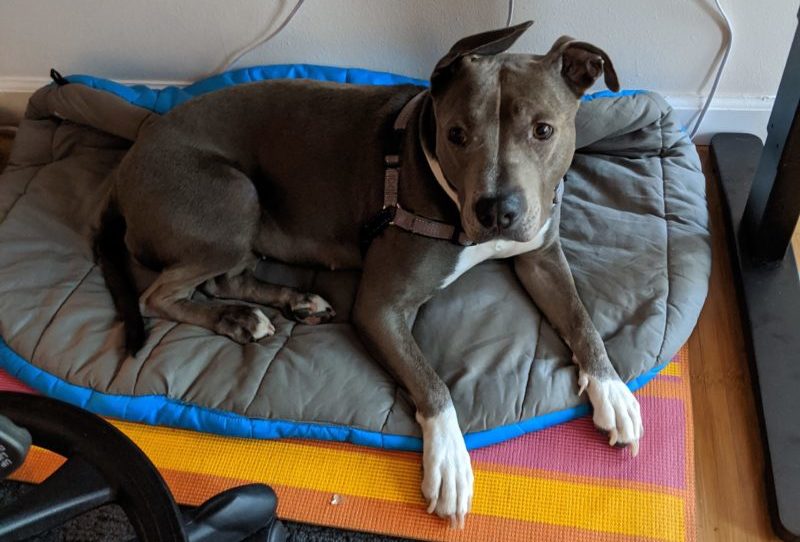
{"x":457,"y":136}
{"x":542,"y":130}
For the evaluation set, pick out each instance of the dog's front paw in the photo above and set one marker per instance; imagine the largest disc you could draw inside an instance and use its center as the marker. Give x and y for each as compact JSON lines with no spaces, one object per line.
{"x":616,"y":410}
{"x":311,"y":309}
{"x":447,"y":480}
{"x":244,"y":324}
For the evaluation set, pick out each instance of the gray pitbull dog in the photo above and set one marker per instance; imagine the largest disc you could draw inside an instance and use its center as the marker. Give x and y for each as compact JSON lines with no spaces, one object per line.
{"x":292,"y":170}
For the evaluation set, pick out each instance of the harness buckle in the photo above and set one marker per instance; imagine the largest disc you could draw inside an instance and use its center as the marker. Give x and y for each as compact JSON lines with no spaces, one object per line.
{"x":375,"y":226}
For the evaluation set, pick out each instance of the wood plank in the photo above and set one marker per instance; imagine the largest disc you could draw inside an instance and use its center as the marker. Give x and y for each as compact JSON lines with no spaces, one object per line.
{"x":731,"y":494}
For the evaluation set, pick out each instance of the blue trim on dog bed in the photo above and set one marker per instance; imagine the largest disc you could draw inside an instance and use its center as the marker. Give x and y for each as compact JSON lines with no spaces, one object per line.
{"x":162,"y":100}
{"x":162,"y":410}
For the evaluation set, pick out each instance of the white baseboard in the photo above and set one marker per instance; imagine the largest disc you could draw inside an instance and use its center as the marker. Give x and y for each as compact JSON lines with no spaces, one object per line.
{"x":748,"y":114}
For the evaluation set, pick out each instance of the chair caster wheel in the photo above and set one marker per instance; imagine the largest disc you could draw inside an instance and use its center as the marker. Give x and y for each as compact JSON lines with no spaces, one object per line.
{"x":276,"y":532}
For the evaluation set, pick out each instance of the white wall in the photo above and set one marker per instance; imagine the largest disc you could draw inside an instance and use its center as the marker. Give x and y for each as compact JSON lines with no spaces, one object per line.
{"x":665,"y":45}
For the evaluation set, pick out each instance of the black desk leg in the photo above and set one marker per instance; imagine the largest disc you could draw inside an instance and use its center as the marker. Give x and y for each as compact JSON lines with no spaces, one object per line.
{"x":761,"y":192}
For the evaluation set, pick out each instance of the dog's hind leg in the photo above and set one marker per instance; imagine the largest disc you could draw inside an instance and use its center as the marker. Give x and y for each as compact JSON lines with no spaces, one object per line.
{"x":300,"y":306}
{"x":170,"y":297}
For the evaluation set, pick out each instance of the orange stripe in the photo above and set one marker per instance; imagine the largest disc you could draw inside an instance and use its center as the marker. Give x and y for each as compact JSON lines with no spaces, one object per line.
{"x":374,"y":515}
{"x":190,"y":487}
{"x":412,"y":521}
{"x":663,"y":388}
{"x":359,"y":513}
{"x":494,"y":487}
{"x":38,"y":465}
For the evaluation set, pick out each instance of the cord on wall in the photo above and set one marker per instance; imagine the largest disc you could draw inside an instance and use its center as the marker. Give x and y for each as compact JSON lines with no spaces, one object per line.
{"x":720,"y":70}
{"x":234,"y":58}
{"x":260,"y":40}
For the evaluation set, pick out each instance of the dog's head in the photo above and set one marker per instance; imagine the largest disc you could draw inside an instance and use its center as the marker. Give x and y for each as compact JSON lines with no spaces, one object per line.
{"x":505,"y":127}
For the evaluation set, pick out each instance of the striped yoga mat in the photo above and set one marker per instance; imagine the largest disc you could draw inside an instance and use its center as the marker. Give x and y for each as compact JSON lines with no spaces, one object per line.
{"x":563,"y":484}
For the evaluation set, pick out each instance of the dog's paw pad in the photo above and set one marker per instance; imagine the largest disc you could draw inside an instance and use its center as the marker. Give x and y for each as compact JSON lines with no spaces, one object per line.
{"x":616,"y":411}
{"x":311,"y":309}
{"x":244,"y":324}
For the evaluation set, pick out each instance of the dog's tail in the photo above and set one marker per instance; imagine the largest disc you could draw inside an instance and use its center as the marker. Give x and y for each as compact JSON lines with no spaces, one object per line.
{"x":112,"y":256}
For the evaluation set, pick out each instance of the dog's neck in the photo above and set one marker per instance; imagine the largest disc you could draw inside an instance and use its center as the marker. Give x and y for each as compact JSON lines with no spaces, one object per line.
{"x":420,"y":190}
{"x":427,"y":131}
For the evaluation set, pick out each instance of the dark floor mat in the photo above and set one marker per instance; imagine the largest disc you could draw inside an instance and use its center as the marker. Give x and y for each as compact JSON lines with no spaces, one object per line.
{"x":109,"y":524}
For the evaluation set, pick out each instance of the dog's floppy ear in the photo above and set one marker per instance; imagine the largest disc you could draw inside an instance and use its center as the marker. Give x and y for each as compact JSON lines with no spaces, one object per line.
{"x":486,"y":43}
{"x":581,"y":64}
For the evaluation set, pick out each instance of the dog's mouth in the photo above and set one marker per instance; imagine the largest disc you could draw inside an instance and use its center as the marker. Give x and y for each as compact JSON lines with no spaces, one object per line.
{"x":528,"y":227}
{"x":525,"y":231}
{"x":522,"y":233}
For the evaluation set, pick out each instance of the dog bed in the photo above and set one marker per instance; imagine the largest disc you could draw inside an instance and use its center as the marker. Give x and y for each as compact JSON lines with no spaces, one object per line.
{"x":634,"y":230}
{"x":557,"y":485}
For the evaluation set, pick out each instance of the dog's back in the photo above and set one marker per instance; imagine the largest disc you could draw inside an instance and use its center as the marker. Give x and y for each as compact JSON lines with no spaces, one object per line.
{"x":302,"y":144}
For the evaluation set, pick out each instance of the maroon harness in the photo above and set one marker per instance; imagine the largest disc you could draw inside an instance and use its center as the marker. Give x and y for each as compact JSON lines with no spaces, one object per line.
{"x":392,"y":214}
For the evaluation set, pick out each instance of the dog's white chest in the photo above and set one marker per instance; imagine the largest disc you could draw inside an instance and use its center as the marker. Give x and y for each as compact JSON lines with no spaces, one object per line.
{"x":492,"y":250}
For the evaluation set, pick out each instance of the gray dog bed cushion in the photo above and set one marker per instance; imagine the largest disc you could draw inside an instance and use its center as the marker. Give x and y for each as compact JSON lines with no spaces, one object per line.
{"x":634,"y":229}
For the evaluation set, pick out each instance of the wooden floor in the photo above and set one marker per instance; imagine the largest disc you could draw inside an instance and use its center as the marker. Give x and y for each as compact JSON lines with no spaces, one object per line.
{"x":731,"y":505}
{"x":731,"y":502}
{"x":796,"y":244}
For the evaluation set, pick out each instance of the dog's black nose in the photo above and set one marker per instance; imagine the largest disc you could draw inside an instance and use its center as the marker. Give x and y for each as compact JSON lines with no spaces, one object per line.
{"x":509,"y":208}
{"x":502,"y":211}
{"x":486,"y":212}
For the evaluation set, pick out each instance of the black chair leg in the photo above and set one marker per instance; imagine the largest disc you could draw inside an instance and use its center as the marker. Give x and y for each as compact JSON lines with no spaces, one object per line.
{"x":104,"y":466}
{"x":238,"y":514}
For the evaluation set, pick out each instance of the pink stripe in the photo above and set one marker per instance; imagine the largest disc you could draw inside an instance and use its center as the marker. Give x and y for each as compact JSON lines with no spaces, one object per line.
{"x":9,"y":383}
{"x":577,"y":448}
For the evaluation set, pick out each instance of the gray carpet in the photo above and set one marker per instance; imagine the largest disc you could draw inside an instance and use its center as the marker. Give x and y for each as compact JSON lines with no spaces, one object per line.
{"x":108,"y":524}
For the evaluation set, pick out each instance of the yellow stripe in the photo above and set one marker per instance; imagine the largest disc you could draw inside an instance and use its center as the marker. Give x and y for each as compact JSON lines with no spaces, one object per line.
{"x":673,"y":369}
{"x":396,"y":478}
{"x":586,"y":506}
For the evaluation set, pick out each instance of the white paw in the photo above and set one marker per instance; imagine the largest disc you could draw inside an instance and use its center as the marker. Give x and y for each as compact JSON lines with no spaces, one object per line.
{"x":616,"y":410}
{"x":447,"y":480}
{"x":264,"y":327}
{"x":311,"y":309}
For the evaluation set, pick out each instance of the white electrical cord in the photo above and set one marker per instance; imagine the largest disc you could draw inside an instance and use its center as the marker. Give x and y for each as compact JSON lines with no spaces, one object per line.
{"x":260,"y":40}
{"x":234,"y":58}
{"x":720,"y":69}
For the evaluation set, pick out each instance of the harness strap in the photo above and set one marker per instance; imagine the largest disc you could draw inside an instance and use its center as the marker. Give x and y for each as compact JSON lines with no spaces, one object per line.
{"x":391,"y":186}
{"x":394,"y":215}
{"x":428,"y":228}
{"x":391,"y":178}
